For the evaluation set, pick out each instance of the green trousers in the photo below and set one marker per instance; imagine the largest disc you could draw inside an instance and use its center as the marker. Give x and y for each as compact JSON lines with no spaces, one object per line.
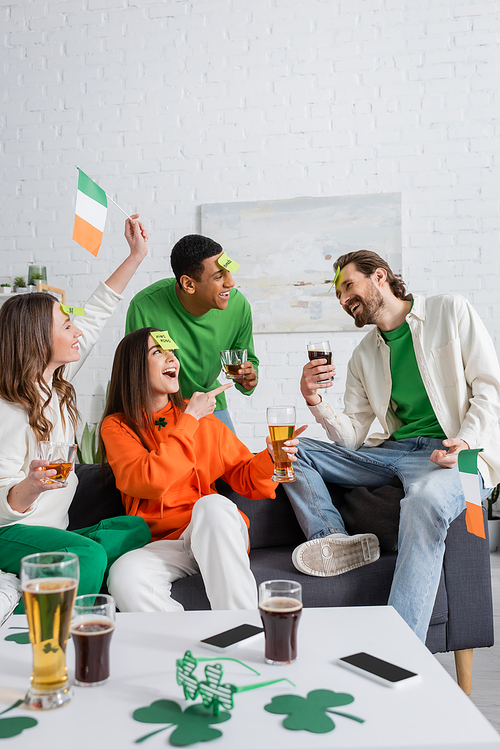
{"x":97,"y":547}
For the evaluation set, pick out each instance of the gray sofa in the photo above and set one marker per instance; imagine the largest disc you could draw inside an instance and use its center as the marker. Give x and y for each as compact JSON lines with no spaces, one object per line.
{"x":463,"y":612}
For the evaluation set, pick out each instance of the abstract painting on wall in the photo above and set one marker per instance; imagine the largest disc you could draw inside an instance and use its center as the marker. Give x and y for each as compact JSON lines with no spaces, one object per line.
{"x":287,"y":248}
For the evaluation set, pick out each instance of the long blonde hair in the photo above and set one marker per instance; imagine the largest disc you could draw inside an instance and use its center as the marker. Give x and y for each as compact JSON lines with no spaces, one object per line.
{"x":26,"y":324}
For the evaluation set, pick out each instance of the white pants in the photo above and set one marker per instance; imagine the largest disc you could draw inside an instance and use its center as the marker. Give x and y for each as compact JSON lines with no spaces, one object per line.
{"x":215,"y":544}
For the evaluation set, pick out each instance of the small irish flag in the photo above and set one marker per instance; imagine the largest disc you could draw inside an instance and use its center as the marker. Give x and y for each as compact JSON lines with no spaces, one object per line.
{"x":90,"y":213}
{"x":467,"y":466}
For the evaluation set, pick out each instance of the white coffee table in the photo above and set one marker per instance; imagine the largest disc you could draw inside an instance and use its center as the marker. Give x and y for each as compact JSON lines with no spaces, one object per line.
{"x":433,"y":712}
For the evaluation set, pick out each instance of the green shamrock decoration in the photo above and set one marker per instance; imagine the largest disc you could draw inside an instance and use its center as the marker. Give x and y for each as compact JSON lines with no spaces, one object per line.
{"x":308,"y":713}
{"x":160,"y":423}
{"x":47,"y":648}
{"x":192,"y":725}
{"x":213,"y":693}
{"x":10,"y":727}
{"x":22,"y":638}
{"x":189,"y":683}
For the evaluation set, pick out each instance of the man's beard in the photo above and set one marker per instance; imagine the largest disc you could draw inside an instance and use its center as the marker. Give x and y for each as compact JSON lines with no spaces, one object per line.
{"x":372,"y":303}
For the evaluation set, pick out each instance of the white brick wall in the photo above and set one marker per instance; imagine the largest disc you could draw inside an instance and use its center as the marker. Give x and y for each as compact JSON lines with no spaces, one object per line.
{"x":172,"y":104}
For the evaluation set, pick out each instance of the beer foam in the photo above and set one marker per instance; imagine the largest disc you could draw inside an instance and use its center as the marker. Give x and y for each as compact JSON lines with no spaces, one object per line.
{"x":82,"y":625}
{"x":49,"y":584}
{"x":280,"y":604}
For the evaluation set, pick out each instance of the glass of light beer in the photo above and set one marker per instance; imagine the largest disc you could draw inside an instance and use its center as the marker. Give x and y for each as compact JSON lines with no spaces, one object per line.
{"x":320,"y":350}
{"x":231,"y":361}
{"x":61,"y":456}
{"x":91,"y":629}
{"x":281,"y":422}
{"x":48,"y":583}
{"x":280,"y":606}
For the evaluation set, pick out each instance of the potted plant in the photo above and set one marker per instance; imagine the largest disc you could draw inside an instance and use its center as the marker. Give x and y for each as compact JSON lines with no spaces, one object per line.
{"x":33,"y":279}
{"x":88,"y":449}
{"x":19,"y":285}
{"x":493,"y":520}
{"x":5,"y":288}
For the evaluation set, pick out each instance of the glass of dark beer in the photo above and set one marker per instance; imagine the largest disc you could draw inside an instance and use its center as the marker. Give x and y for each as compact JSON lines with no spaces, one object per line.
{"x":92,"y":626}
{"x":49,"y":582}
{"x":281,"y":423}
{"x":280,"y":606}
{"x":320,"y":350}
{"x":231,"y":361}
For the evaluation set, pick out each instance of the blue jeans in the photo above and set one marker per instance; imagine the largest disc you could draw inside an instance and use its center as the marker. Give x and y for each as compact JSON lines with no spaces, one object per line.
{"x":224,"y":416}
{"x":433,"y":499}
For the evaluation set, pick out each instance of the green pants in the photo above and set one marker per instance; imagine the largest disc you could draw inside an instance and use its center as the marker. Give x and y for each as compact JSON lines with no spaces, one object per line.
{"x":97,"y":547}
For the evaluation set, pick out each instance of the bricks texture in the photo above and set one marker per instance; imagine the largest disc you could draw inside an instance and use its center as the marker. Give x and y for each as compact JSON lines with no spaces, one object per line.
{"x":171,"y":105}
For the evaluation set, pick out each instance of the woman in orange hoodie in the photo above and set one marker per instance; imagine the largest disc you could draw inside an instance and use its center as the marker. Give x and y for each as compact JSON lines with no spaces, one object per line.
{"x":166,"y":454}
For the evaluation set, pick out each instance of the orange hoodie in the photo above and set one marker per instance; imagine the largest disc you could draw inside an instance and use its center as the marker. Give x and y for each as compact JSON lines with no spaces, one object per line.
{"x":183,"y":462}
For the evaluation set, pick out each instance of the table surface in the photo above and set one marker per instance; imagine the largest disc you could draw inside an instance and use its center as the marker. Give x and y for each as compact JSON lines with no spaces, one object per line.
{"x":431,"y":712}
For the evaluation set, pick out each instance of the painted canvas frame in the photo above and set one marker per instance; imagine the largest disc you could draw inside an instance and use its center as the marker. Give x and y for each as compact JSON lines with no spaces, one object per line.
{"x":287,"y":248}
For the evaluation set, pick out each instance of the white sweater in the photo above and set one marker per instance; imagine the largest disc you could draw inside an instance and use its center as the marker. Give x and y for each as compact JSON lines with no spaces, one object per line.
{"x":460,"y":372}
{"x":18,"y":444}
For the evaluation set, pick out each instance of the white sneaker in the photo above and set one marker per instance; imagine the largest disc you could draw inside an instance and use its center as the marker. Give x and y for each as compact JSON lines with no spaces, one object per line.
{"x":10,"y":593}
{"x":336,"y":554}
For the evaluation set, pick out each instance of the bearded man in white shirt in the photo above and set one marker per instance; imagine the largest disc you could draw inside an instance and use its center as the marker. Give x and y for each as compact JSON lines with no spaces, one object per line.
{"x":429,"y":373}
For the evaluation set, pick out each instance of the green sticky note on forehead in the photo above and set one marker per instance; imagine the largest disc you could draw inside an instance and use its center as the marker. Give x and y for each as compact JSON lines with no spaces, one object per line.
{"x":225,"y":262}
{"x":337,"y":274}
{"x":163,"y":339}
{"x":72,"y":310}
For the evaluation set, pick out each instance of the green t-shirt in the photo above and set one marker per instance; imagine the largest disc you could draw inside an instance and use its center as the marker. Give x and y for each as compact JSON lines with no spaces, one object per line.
{"x":413,"y":406}
{"x":200,"y":339}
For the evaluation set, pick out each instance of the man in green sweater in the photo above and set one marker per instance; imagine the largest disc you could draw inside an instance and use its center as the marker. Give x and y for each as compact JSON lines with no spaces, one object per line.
{"x":204,"y":314}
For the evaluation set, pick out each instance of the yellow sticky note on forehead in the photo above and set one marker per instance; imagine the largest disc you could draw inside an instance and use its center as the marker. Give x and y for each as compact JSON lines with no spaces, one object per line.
{"x":225,"y":262}
{"x":337,"y":274}
{"x":163,"y":339}
{"x":72,"y":310}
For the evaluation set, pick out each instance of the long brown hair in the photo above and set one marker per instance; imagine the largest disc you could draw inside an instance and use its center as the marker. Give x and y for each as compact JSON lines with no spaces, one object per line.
{"x":367,"y":262}
{"x":130,"y":390}
{"x":26,"y":325}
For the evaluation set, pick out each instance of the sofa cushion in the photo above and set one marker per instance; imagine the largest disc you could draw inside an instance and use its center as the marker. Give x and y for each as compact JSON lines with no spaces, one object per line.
{"x":373,"y":511}
{"x":96,"y":497}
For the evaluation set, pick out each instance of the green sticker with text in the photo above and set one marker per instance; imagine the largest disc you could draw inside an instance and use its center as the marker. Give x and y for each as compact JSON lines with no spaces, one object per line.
{"x":225,"y":262}
{"x":163,"y":339}
{"x":72,"y":310}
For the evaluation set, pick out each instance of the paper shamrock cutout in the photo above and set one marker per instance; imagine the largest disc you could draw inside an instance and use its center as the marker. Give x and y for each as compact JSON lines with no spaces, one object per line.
{"x":192,"y":725}
{"x":22,"y":638}
{"x":309,"y":713}
{"x":10,"y":727}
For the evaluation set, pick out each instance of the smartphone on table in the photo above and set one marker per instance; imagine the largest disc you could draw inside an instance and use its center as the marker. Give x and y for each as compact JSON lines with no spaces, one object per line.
{"x":224,"y":641}
{"x":377,"y":669}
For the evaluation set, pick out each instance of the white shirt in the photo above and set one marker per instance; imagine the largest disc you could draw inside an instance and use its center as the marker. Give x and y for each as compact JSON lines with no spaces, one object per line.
{"x":460,"y":372}
{"x":18,"y":444}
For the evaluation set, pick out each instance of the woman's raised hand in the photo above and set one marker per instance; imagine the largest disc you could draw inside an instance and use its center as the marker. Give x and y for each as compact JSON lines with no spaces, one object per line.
{"x":136,"y":235}
{"x":203,"y":404}
{"x":290,"y":446}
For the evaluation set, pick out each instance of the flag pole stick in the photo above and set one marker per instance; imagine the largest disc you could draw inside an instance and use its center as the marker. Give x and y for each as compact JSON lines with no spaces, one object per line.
{"x":113,"y":201}
{"x":118,"y":206}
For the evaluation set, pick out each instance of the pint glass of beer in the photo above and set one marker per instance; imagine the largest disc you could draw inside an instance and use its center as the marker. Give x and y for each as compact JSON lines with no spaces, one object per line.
{"x":281,"y":422}
{"x":280,"y":606}
{"x":61,"y":457}
{"x":320,"y":350}
{"x":48,"y":583}
{"x":91,"y":629}
{"x":231,"y":361}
